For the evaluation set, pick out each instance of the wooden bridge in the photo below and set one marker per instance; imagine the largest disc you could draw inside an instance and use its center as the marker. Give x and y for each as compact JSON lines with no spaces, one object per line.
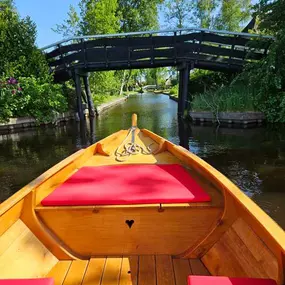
{"x":184,"y":48}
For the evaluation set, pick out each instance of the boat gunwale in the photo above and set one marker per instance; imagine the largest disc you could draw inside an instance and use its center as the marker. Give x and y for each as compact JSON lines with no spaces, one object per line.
{"x":268,"y":224}
{"x":24,"y":191}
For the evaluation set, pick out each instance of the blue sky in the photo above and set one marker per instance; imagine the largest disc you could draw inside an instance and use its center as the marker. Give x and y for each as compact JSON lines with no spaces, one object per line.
{"x":46,"y":14}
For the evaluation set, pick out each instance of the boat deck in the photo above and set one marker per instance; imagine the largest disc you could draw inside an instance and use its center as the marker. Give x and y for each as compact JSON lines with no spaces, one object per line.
{"x":134,"y":270}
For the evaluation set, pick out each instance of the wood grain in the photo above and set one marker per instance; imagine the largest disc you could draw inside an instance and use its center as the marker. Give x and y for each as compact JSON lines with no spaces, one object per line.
{"x":76,"y":272}
{"x":25,"y":256}
{"x":134,"y":267}
{"x":164,"y":270}
{"x":126,"y":273}
{"x":198,"y":268}
{"x":104,"y":231}
{"x":94,"y":271}
{"x":59,"y":272}
{"x":182,"y":270}
{"x":111,"y":275}
{"x":147,"y":272}
{"x":265,"y":258}
{"x":240,"y":261}
{"x":10,"y":216}
{"x":29,"y":217}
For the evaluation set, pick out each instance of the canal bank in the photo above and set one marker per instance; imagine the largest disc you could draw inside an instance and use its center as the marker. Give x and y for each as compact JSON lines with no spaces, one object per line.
{"x":25,"y":123}
{"x":251,"y":158}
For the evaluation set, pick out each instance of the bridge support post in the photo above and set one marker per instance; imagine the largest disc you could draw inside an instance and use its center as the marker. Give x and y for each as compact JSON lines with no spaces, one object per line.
{"x":78,"y":95}
{"x":88,"y":95}
{"x":184,"y":77}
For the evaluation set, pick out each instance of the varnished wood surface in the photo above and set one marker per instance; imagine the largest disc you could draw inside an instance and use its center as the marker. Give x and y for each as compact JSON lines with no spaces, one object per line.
{"x":133,"y":270}
{"x":245,"y":253}
{"x":238,"y":225}
{"x":99,"y":231}
{"x":22,"y":255}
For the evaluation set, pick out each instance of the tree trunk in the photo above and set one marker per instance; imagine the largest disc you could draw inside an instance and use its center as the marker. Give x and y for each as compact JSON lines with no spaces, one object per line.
{"x":123,"y":83}
{"x":128,"y":79}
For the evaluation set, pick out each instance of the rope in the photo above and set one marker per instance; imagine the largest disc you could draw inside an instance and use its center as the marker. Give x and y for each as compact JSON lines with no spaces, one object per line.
{"x":131,"y":148}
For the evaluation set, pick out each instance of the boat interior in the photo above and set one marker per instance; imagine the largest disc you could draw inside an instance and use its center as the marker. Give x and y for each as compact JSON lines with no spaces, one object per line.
{"x":160,"y":242}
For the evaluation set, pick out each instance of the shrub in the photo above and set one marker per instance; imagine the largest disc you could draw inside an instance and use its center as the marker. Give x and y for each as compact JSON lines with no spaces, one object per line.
{"x":30,"y":96}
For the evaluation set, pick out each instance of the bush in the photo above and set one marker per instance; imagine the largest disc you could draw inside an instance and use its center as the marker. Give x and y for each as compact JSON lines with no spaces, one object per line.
{"x":174,"y":90}
{"x":30,"y":96}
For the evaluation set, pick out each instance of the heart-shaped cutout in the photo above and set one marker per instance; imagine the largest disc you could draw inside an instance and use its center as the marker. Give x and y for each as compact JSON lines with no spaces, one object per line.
{"x":130,"y":223}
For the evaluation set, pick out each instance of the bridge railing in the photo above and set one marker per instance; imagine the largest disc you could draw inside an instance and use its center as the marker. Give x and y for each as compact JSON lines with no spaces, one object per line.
{"x":208,"y":49}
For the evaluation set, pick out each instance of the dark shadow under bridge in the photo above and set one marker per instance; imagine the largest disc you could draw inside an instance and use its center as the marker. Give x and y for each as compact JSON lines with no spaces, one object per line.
{"x":184,"y":48}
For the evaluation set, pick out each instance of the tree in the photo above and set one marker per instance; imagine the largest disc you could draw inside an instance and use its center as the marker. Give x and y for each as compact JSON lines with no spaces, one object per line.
{"x":19,"y":55}
{"x":99,"y":17}
{"x":25,"y":82}
{"x":267,"y":77}
{"x":205,"y":12}
{"x":232,"y":14}
{"x":178,"y":13}
{"x":138,"y":15}
{"x":70,"y":26}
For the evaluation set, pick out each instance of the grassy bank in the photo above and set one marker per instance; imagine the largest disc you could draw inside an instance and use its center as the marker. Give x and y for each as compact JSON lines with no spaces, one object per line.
{"x":225,"y":99}
{"x":102,"y":99}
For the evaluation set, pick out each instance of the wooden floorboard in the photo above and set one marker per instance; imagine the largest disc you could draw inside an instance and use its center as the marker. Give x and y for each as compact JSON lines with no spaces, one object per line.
{"x":59,"y":272}
{"x":133,"y":270}
{"x":147,"y":272}
{"x":94,"y":271}
{"x":76,"y":272}
{"x":198,"y":268}
{"x":182,"y":270}
{"x":164,"y":270}
{"x":111,"y":274}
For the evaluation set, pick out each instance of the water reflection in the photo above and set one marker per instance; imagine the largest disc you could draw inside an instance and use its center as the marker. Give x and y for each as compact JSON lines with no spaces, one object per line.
{"x":253,"y":158}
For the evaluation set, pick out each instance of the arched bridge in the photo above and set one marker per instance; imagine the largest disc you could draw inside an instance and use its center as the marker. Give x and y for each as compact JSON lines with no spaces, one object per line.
{"x":184,"y":48}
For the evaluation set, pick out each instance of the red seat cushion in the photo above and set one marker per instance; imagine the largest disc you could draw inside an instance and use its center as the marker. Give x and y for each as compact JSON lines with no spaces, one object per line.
{"x":38,"y":281}
{"x":220,"y":280}
{"x":127,"y":184}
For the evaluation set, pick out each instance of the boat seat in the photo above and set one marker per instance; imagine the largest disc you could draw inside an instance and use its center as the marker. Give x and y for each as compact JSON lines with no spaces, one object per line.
{"x":127,"y":185}
{"x":221,"y":280}
{"x":37,"y":281}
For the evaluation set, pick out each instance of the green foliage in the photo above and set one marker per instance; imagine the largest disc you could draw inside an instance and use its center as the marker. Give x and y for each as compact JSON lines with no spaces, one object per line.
{"x":32,"y":97}
{"x":18,"y":53}
{"x":226,"y":99}
{"x":178,"y":13}
{"x":204,"y":12}
{"x":267,"y":77}
{"x":71,"y":26}
{"x":137,"y":15}
{"x":33,"y":93}
{"x":233,"y":14}
{"x":174,"y":90}
{"x":204,"y":80}
{"x":99,"y":17}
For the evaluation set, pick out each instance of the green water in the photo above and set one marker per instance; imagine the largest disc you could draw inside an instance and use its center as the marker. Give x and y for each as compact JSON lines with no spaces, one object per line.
{"x":253,"y":158}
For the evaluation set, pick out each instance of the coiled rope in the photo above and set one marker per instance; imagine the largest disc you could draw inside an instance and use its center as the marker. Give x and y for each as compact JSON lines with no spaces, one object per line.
{"x":131,"y":148}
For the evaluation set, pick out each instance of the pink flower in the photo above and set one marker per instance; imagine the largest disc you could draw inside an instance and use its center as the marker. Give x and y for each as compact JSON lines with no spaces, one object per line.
{"x":13,"y":91}
{"x":20,"y":89}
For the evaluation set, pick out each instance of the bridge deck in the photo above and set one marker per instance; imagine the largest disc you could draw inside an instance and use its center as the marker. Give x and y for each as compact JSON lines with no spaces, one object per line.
{"x":212,"y":50}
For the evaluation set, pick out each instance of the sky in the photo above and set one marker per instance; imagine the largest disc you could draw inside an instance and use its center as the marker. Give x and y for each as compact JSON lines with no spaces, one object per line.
{"x":46,"y":14}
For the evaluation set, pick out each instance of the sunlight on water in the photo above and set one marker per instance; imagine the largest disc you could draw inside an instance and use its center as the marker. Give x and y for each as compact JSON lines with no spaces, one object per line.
{"x":254,"y":159}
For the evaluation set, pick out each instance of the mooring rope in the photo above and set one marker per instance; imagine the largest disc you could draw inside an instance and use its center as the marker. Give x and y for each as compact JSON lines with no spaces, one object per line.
{"x":131,"y":148}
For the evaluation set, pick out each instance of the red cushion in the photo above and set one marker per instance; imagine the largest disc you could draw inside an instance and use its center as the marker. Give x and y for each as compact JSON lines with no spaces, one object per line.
{"x":38,"y":281}
{"x":127,"y":184}
{"x":220,"y":280}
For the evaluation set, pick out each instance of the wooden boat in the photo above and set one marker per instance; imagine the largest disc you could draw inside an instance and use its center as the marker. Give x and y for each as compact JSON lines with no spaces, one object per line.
{"x":59,"y":227}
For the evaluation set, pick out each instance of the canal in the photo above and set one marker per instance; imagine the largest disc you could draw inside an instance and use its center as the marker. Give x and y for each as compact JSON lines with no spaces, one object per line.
{"x":253,"y":158}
